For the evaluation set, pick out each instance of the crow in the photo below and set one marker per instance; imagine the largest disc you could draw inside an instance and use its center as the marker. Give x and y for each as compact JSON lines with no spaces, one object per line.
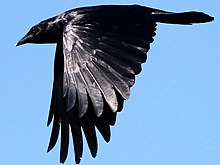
{"x":99,"y":50}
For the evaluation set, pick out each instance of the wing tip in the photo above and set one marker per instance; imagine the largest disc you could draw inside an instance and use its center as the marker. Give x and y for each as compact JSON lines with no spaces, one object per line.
{"x":49,"y":149}
{"x":77,"y":160}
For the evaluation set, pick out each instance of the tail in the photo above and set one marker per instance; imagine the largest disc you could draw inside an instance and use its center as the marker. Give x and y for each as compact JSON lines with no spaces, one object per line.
{"x":185,"y":18}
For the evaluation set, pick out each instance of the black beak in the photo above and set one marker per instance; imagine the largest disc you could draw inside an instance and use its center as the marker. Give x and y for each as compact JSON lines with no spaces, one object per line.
{"x":24,"y":40}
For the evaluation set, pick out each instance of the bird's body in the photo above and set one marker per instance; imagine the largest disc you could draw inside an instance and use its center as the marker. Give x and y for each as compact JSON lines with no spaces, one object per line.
{"x":99,"y":51}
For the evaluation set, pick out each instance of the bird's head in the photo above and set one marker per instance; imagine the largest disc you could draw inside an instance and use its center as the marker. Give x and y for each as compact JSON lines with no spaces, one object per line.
{"x":48,"y":31}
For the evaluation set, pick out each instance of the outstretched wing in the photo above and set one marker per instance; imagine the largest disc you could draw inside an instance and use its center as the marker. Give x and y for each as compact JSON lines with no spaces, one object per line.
{"x":103,"y":49}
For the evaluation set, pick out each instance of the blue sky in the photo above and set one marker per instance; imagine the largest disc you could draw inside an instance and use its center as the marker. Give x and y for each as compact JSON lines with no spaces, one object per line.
{"x":171,"y":118}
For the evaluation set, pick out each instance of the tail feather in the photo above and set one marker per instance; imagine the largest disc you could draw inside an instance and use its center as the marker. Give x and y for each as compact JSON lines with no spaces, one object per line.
{"x":185,"y":18}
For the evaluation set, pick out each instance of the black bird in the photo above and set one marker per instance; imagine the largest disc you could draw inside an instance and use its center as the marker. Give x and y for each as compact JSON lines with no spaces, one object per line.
{"x":99,"y":51}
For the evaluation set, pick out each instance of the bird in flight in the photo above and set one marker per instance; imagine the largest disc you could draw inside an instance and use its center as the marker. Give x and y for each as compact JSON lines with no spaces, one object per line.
{"x":99,"y":50}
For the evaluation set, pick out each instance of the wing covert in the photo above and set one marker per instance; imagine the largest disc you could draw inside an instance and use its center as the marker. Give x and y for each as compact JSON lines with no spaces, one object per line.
{"x":100,"y":63}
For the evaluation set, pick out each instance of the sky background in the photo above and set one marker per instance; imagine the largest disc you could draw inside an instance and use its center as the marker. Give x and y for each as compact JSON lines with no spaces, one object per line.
{"x":171,"y":118}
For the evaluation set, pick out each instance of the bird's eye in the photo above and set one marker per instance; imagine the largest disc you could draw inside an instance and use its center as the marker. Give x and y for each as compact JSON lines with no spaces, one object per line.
{"x":34,"y":29}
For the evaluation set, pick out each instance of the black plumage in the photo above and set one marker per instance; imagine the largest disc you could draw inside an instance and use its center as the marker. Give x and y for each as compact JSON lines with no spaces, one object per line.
{"x":99,"y":51}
